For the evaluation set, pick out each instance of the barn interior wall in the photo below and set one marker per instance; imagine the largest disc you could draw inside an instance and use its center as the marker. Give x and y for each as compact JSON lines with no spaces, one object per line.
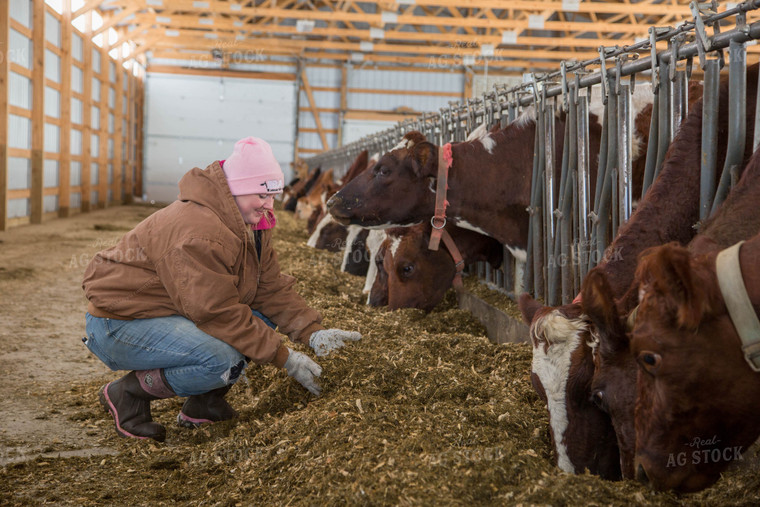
{"x":71,"y":141}
{"x":193,"y":120}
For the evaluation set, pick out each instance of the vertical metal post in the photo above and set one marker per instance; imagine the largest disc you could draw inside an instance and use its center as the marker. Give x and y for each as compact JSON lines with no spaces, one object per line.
{"x":625,"y":163}
{"x":652,"y":140}
{"x":664,"y":134}
{"x":566,"y":197}
{"x":549,"y":202}
{"x":709,"y":159}
{"x":584,"y":186}
{"x":737,"y":119}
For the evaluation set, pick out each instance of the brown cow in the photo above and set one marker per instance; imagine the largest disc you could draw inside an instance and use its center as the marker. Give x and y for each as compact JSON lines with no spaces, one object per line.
{"x":315,"y":198}
{"x":326,"y":233}
{"x":488,"y":182}
{"x":668,"y":212}
{"x":416,"y":277}
{"x":696,"y":394}
{"x":298,"y":189}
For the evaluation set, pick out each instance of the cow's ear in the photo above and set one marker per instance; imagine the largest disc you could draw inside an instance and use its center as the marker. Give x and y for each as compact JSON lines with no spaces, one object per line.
{"x":424,"y":159}
{"x":598,"y":303}
{"x":528,"y":307}
{"x":667,"y":272}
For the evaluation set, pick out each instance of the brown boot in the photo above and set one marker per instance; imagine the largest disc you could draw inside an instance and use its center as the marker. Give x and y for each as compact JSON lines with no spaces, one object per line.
{"x":206,"y":408}
{"x":128,"y":400}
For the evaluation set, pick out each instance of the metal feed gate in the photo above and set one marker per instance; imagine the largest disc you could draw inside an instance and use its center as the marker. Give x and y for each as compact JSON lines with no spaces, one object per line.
{"x":569,"y":231}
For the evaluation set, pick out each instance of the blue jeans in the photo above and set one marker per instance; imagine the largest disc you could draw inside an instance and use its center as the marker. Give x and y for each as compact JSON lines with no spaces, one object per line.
{"x":194,"y":362}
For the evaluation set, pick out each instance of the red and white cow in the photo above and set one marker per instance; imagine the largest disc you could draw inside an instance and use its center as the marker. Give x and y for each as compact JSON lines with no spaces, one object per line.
{"x":416,"y":277}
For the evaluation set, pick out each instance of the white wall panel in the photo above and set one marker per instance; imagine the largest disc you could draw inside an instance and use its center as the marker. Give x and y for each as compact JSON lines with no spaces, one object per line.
{"x":77,"y":78}
{"x":76,"y":111}
{"x":20,"y":91}
{"x":19,"y":173}
{"x":19,"y":132}
{"x":52,"y":138}
{"x":75,"y":173}
{"x":21,"y":11}
{"x":52,"y":29}
{"x":52,"y":66}
{"x":20,"y":49}
{"x":76,"y":47}
{"x":50,"y":174}
{"x":353,"y":130}
{"x":190,"y":121}
{"x":52,"y":102}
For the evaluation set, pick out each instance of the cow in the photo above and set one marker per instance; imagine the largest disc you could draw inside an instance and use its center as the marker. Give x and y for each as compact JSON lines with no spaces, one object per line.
{"x":419,"y":278}
{"x":668,"y":212}
{"x":298,"y":189}
{"x":688,"y":351}
{"x":313,"y":200}
{"x":489,"y":180}
{"x":327,"y":234}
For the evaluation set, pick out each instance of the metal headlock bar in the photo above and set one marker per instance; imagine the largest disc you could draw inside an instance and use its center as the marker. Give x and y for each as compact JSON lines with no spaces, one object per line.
{"x":568,"y":230}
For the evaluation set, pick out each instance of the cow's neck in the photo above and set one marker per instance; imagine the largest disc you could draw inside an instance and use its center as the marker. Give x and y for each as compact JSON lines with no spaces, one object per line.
{"x":748,"y":256}
{"x":489,"y":192}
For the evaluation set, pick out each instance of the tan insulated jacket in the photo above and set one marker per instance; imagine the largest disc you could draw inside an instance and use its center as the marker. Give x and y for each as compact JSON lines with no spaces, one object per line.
{"x":197,"y":258}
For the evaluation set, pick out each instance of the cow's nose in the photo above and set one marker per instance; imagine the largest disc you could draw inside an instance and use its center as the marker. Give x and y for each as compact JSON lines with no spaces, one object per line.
{"x":641,"y":474}
{"x":331,"y":202}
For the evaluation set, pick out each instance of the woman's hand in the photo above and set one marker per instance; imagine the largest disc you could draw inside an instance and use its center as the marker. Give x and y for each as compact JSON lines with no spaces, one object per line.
{"x":302,"y":368}
{"x":326,"y":340}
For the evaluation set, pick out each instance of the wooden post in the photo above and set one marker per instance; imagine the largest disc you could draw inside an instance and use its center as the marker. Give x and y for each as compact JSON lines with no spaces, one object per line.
{"x":343,"y":100}
{"x":130,"y":162}
{"x":139,"y":96}
{"x":64,"y":180}
{"x":105,"y":87}
{"x":118,"y":115}
{"x":5,"y":27}
{"x":38,"y":110}
{"x":86,"y":191}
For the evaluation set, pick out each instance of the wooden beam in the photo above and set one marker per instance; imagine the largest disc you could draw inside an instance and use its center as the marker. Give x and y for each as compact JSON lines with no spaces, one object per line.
{"x":455,"y":40}
{"x":140,"y":96}
{"x":313,"y":107}
{"x":64,"y":164}
{"x":360,"y":114}
{"x":105,"y":86}
{"x":130,"y":159}
{"x":113,"y":20}
{"x":88,"y":6}
{"x":38,"y":111}
{"x":438,"y":21}
{"x":5,"y":30}
{"x":172,"y":69}
{"x":190,"y":38}
{"x":118,"y":135}
{"x":86,"y":172}
{"x":343,"y":100}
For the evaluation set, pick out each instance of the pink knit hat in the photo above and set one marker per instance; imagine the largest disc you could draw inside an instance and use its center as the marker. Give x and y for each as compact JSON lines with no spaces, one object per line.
{"x":252,"y":168}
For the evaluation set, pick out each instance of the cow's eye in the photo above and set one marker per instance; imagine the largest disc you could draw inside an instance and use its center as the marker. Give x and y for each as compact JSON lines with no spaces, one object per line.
{"x":599,"y":399}
{"x":649,"y":361}
{"x":382,"y":171}
{"x":408,"y":269}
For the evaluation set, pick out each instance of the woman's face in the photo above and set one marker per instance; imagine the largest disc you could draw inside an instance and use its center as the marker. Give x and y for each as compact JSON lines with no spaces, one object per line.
{"x":254,"y":206}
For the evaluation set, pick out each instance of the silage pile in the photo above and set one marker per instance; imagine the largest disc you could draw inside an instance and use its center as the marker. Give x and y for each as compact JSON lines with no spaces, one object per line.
{"x":424,"y":410}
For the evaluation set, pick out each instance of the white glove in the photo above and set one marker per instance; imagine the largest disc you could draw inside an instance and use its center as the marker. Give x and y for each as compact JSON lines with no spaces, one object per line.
{"x":326,"y":340}
{"x":302,"y":368}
